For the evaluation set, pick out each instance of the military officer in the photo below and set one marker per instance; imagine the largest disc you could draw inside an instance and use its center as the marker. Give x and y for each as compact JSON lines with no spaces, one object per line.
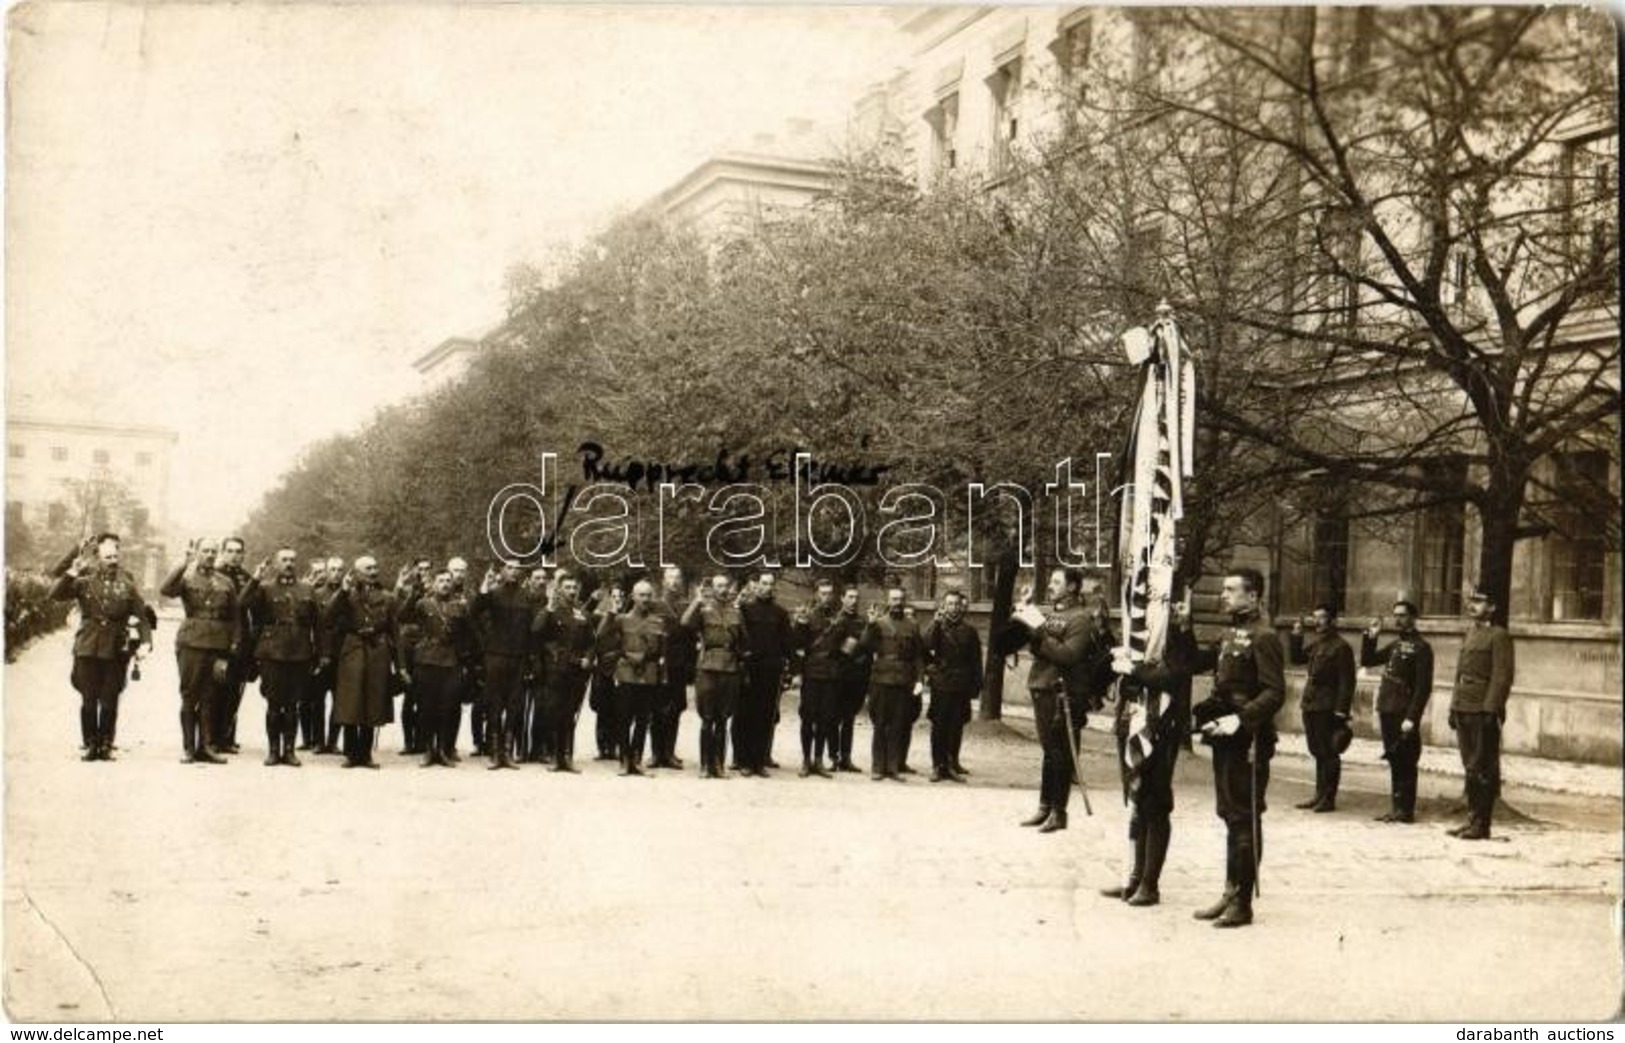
{"x":1238,"y":721}
{"x":327,"y":724}
{"x":818,"y":640}
{"x":633,"y":644}
{"x":108,"y":599}
{"x":204,"y":646}
{"x":468,"y":691}
{"x":535,"y":738}
{"x":504,"y":611}
{"x":445,"y":653}
{"x":1328,"y":698}
{"x":770,"y":643}
{"x":853,"y":682}
{"x":411,"y":584}
{"x":898,"y":651}
{"x":1071,"y":647}
{"x":953,"y":651}
{"x":1153,"y":715}
{"x":363,"y":639}
{"x":1402,"y":697}
{"x":717,"y":680}
{"x":230,"y":565}
{"x":288,"y":622}
{"x":681,"y":650}
{"x":566,"y":636}
{"x":605,"y":601}
{"x":1478,"y":709}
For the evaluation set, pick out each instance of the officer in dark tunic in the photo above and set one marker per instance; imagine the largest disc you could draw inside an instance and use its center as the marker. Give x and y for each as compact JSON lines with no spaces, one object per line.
{"x":771,"y":644}
{"x":607,"y":731}
{"x":718,"y":676}
{"x":566,"y":636}
{"x":953,"y":652}
{"x":242,"y":666}
{"x":898,"y":651}
{"x":204,"y":646}
{"x":1478,"y":709}
{"x":1238,"y":721}
{"x":819,"y":645}
{"x":535,"y":744}
{"x":633,"y":644}
{"x":503,"y":612}
{"x":411,"y":584}
{"x":468,"y":692}
{"x":1402,"y":698}
{"x":681,"y":650}
{"x":313,"y":708}
{"x":285,"y":616}
{"x":1328,"y":699}
{"x":364,"y":641}
{"x":852,"y":687}
{"x":325,"y":715}
{"x":445,"y":653}
{"x":1153,"y":718}
{"x":108,"y":599}
{"x":1071,"y":650}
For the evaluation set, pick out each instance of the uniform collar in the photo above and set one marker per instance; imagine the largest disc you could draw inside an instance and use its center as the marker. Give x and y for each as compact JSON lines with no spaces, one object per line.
{"x":1245,"y":616}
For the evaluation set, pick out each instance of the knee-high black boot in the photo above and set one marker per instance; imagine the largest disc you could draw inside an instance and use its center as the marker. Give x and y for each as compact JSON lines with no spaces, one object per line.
{"x":273,"y":736}
{"x":1155,"y":833}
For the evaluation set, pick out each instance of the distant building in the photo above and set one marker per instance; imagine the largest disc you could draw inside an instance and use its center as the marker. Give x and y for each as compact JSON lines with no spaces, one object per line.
{"x":66,"y":480}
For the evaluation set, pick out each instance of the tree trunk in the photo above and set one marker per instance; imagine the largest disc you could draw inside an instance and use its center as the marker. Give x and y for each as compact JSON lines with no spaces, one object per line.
{"x":1006,"y":566}
{"x":1498,"y":519}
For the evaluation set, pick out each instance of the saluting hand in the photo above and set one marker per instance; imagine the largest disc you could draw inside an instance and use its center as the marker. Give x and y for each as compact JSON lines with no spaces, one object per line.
{"x":260,"y":569}
{"x":1375,"y":626}
{"x":874,"y":613}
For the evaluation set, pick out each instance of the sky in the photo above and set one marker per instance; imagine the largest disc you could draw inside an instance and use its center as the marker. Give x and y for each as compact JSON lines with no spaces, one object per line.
{"x":243,"y":221}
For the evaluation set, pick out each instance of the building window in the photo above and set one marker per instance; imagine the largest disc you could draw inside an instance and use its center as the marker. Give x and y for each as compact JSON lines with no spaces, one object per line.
{"x":1579,"y":547}
{"x":16,"y":451}
{"x":944,"y":121}
{"x":100,"y":456}
{"x":1005,"y":88}
{"x":1071,"y":49}
{"x":1440,"y":541}
{"x":59,"y":453}
{"x":143,"y":459}
{"x":56,"y":516}
{"x":1330,"y":551}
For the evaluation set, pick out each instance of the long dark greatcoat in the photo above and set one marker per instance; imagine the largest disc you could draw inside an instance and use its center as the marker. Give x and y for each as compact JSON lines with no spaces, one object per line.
{"x":361,"y":629}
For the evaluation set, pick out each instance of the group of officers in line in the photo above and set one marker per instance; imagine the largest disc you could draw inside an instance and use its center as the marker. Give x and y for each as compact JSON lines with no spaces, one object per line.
{"x":524,"y":650}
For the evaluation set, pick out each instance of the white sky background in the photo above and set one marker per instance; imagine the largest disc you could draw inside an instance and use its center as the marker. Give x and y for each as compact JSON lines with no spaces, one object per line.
{"x":244,"y":221}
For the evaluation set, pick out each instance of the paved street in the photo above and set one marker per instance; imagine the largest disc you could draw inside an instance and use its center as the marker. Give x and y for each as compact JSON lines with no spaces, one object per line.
{"x":151,"y":890}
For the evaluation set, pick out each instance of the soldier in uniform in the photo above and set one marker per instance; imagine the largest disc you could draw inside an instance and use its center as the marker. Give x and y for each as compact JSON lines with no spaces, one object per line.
{"x":898,"y":651}
{"x":288,"y":623}
{"x":327,"y":722}
{"x":853,"y":679}
{"x":1238,"y":721}
{"x":1402,"y":697}
{"x":1071,"y":648}
{"x":504,"y":610}
{"x":468,"y":691}
{"x":411,"y":585}
{"x":607,"y":731}
{"x":1478,"y":709}
{"x":445,"y":654}
{"x":717,"y":680}
{"x":1153,"y":714}
{"x":680,"y":665}
{"x":633,"y":644}
{"x":567,"y":636}
{"x":770,"y":644}
{"x":535,"y":742}
{"x":205,"y":645}
{"x":230,"y":565}
{"x":818,"y":641}
{"x":108,"y":599}
{"x":1328,"y":698}
{"x":953,"y":651}
{"x":363,"y":636}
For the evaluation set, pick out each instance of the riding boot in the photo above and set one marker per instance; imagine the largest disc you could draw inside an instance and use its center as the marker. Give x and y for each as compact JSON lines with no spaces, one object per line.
{"x":1127,"y":888}
{"x":188,"y":736}
{"x":1157,"y":833}
{"x":273,"y":738}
